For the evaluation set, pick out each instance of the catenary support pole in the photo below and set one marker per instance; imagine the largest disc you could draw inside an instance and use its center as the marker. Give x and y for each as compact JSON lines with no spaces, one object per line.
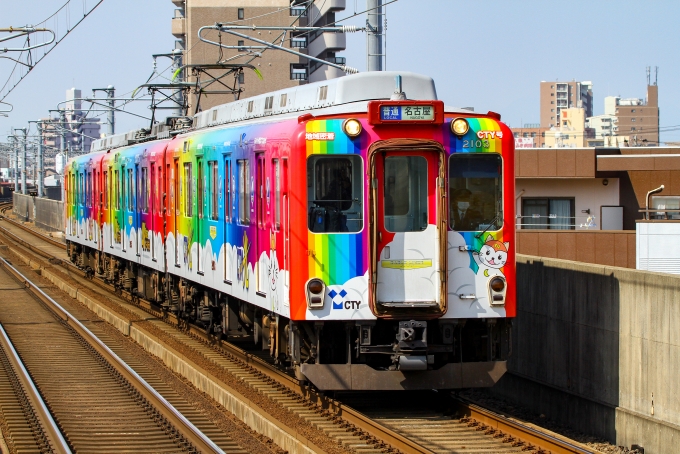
{"x":374,"y":36}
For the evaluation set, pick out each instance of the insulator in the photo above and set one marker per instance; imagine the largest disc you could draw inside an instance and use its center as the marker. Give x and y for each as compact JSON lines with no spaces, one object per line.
{"x":350,"y":70}
{"x":350,"y":28}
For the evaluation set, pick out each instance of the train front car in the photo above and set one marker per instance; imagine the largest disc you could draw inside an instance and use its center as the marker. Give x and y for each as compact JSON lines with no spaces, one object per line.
{"x":409,"y":245}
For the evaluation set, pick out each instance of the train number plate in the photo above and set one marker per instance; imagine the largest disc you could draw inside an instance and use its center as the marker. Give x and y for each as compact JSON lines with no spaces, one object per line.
{"x":408,"y":113}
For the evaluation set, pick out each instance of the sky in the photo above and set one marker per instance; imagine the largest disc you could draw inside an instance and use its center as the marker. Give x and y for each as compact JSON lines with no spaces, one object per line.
{"x":490,"y":55}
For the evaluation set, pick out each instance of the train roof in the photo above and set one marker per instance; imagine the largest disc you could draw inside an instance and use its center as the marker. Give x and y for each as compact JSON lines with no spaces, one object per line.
{"x":335,"y":96}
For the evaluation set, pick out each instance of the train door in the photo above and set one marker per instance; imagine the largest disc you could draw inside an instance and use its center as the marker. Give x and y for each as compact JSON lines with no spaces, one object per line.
{"x":175,"y":210}
{"x":137,"y":209}
{"x":229,"y":193}
{"x":153,"y":188}
{"x":262,"y":235}
{"x":406,"y":232}
{"x":285,"y":227}
{"x":200,"y":200}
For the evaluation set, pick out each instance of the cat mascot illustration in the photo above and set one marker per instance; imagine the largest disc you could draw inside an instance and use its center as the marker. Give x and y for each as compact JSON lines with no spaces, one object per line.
{"x":491,"y":257}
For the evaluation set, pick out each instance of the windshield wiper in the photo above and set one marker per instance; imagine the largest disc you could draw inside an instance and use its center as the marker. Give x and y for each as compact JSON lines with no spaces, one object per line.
{"x":493,"y":222}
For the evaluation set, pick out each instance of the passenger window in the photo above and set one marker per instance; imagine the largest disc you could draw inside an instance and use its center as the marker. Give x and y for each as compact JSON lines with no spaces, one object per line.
{"x":227,"y":191}
{"x":106,"y":189}
{"x":334,"y":194}
{"x":130,"y":190}
{"x":144,"y":202}
{"x":214,"y":199}
{"x":188,"y":190}
{"x":119,"y":195}
{"x":475,"y":192}
{"x":277,"y":194}
{"x":243,"y":191}
{"x":405,"y":189}
{"x":199,"y":189}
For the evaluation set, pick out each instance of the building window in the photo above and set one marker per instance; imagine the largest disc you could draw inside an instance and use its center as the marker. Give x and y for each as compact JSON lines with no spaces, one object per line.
{"x":524,"y":134}
{"x":552,"y":86}
{"x":632,"y":110}
{"x":543,"y":134}
{"x":564,"y":123}
{"x":241,"y":78}
{"x":241,"y":14}
{"x":516,"y":135}
{"x":533,"y":134}
{"x":241,"y":44}
{"x":298,"y":71}
{"x":632,"y":119}
{"x":552,"y":110}
{"x":632,"y":129}
{"x":552,"y":94}
{"x":548,"y":213}
{"x":552,"y":102}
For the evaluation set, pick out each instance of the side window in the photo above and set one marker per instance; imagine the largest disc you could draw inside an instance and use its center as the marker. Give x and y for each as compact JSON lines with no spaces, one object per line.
{"x":243,"y":191}
{"x":475,"y":191}
{"x":144,"y":190}
{"x":200,"y":189}
{"x":277,"y":194}
{"x":188,"y":190}
{"x":81,"y":191}
{"x":118,"y":186}
{"x":106,"y":189}
{"x":130,"y":190}
{"x":214,"y":194}
{"x":334,"y":193}
{"x":227,"y":191}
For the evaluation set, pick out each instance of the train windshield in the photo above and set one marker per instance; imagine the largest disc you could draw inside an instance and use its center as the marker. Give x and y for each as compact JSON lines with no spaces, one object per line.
{"x":475,"y":192}
{"x":334,"y":194}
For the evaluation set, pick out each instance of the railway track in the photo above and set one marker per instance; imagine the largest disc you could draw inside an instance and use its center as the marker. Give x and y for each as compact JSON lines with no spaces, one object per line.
{"x":97,"y":400}
{"x":467,"y":428}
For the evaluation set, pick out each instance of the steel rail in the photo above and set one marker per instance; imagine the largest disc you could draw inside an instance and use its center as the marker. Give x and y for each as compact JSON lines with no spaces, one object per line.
{"x":187,"y":429}
{"x":522,"y":432}
{"x":47,"y":423}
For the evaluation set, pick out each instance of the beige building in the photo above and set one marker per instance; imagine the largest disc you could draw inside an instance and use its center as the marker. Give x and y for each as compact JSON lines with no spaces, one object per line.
{"x":571,"y":131}
{"x":279,"y":69}
{"x":556,"y":96}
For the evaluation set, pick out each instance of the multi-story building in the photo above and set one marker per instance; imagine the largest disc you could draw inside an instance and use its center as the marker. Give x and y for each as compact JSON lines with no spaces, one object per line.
{"x":279,"y":69}
{"x":556,"y":96}
{"x":529,"y":136}
{"x":637,"y":118}
{"x":79,"y":130}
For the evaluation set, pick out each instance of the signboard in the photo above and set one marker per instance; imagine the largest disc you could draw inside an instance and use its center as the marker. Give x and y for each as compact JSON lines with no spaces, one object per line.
{"x":524,"y":142}
{"x":406,"y":112}
{"x":415,"y":113}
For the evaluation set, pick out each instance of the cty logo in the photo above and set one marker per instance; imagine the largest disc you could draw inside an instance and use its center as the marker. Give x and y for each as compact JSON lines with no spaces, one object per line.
{"x":341,"y":303}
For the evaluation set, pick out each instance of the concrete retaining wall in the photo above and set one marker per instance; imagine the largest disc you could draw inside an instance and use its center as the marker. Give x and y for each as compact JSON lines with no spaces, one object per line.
{"x":49,"y":214}
{"x":598,"y":348}
{"x":23,"y":206}
{"x":46,"y":213}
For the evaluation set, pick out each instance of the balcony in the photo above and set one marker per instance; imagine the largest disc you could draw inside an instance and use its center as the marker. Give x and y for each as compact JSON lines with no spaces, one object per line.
{"x":298,"y":72}
{"x":327,"y":6}
{"x":178,"y":27}
{"x":327,"y":41}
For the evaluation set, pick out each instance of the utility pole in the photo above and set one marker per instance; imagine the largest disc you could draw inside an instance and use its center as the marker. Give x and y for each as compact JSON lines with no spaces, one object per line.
{"x":110,"y":94}
{"x":15,"y":147}
{"x":23,"y":162}
{"x":374,"y":37}
{"x":41,"y":168}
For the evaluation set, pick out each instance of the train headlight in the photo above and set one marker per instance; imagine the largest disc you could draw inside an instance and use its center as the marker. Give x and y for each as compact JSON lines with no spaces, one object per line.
{"x":352,"y":127}
{"x":497,"y":289}
{"x":315,"y":292}
{"x":460,"y":126}
{"x":497,"y":284}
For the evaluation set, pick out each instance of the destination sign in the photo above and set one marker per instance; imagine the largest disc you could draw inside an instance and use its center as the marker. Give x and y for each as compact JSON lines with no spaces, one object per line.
{"x":407,"y":113}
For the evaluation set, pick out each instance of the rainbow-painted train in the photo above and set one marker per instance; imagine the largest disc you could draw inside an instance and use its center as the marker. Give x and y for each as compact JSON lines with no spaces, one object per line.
{"x":357,"y":228}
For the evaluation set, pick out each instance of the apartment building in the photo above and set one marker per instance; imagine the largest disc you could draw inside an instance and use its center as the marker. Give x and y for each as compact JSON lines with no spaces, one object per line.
{"x":279,"y":69}
{"x":79,"y":130}
{"x":556,"y":96}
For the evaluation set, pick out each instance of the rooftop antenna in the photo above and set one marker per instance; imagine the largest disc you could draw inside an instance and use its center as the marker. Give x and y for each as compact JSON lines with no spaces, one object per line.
{"x":398,"y":94}
{"x":656,"y":74}
{"x":649,"y":70}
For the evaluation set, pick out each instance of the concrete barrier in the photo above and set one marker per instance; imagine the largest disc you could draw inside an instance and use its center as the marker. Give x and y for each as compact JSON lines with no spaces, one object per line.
{"x":46,"y":213}
{"x":49,"y":214}
{"x":23,"y":206}
{"x":598,"y":348}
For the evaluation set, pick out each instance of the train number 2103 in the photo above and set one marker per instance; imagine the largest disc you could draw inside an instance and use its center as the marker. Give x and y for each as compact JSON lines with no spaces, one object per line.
{"x":475,"y":143}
